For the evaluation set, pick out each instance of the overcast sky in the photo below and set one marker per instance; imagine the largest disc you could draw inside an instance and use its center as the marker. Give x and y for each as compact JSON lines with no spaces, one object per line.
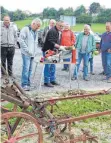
{"x":36,"y":6}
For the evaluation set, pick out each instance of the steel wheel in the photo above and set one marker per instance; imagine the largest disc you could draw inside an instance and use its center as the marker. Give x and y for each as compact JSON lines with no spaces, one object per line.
{"x":27,"y":130}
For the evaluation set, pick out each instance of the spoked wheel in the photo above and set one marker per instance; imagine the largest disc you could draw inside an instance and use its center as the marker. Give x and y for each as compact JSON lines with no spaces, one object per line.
{"x":19,"y":127}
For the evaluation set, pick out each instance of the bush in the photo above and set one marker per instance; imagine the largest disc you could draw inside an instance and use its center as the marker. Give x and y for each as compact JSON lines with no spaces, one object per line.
{"x":84,"y":18}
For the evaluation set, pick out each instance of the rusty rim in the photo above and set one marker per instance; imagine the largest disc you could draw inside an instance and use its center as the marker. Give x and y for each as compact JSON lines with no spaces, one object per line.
{"x":27,"y":122}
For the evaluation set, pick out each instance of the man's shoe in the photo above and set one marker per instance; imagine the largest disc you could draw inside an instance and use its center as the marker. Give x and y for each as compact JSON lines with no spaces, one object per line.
{"x":26,"y":88}
{"x":109,"y":80}
{"x":102,"y":73}
{"x":48,"y":85}
{"x":86,"y":79}
{"x":74,"y":78}
{"x":92,"y":73}
{"x":54,"y":83}
{"x":64,"y":69}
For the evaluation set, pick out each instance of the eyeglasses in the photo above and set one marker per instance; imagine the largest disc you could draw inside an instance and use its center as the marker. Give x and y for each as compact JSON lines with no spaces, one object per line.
{"x":61,"y":26}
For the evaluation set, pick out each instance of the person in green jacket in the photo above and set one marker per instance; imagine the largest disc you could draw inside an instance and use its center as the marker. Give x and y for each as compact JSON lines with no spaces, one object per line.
{"x":85,"y":45}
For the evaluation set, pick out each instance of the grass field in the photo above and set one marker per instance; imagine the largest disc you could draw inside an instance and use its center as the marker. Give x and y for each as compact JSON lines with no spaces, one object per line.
{"x":79,"y":27}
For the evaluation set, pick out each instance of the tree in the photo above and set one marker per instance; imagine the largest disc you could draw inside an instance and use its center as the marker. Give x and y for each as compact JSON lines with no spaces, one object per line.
{"x":60,"y":11}
{"x":104,"y":16}
{"x":45,"y":12}
{"x":84,"y":18}
{"x":94,"y":8}
{"x":80,"y":10}
{"x":52,"y":13}
{"x":3,"y":12}
{"x":69,"y":11}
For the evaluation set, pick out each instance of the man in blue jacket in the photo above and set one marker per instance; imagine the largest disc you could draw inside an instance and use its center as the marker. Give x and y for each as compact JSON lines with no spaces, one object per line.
{"x":105,"y":47}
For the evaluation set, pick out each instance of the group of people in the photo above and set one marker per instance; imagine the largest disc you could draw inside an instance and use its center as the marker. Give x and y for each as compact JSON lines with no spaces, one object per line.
{"x":54,"y":36}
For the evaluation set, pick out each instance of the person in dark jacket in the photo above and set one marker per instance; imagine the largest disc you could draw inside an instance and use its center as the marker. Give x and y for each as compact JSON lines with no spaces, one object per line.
{"x":8,"y":43}
{"x":105,"y":47}
{"x":52,"y":23}
{"x":52,"y":42}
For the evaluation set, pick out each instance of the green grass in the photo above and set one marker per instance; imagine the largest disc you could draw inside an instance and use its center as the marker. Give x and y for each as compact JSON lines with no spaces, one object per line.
{"x":79,"y":27}
{"x":80,"y":107}
{"x":96,"y":27}
{"x":22,"y":23}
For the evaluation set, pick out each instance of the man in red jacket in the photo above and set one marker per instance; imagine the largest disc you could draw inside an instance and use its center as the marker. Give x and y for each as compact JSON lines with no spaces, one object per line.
{"x":67,"y":39}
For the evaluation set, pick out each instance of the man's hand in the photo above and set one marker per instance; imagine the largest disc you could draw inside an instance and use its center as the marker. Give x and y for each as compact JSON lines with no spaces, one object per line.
{"x":62,"y":48}
{"x":109,"y":50}
{"x":57,"y":46}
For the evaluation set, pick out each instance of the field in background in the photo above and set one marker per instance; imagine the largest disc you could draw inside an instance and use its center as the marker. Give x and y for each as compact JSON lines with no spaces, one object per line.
{"x":79,"y":27}
{"x":96,"y":27}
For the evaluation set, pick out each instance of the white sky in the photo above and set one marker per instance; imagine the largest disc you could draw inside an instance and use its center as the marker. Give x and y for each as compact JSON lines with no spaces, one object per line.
{"x":36,"y":6}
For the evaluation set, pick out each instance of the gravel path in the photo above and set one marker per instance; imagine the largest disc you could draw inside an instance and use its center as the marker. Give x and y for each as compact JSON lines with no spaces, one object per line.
{"x":95,"y":82}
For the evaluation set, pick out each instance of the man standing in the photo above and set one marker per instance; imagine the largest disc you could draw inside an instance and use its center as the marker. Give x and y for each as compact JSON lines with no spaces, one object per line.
{"x":105,"y":47}
{"x":85,"y":45}
{"x":28,"y":44}
{"x":52,"y":23}
{"x":8,"y":43}
{"x":67,"y":39}
{"x":52,"y":42}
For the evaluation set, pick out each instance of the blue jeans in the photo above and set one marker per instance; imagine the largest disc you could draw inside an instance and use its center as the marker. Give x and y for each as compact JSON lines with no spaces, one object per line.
{"x":49,"y":72}
{"x":26,"y":70}
{"x":85,"y":58}
{"x":91,"y":64}
{"x":103,"y":56}
{"x":108,"y":65}
{"x":66,"y":66}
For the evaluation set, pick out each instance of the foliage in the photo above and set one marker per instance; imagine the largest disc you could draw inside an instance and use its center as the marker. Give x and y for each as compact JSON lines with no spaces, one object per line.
{"x":94,"y":8}
{"x":80,"y":11}
{"x":69,"y":11}
{"x":94,"y":14}
{"x":104,"y":16}
{"x":84,"y":18}
{"x":16,"y":15}
{"x":50,"y":13}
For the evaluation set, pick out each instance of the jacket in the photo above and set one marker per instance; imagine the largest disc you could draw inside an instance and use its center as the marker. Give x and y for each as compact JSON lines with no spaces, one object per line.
{"x":8,"y":36}
{"x":105,"y":43}
{"x":44,"y":34}
{"x":52,"y":38}
{"x":68,"y":38}
{"x":91,"y":45}
{"x":27,"y":42}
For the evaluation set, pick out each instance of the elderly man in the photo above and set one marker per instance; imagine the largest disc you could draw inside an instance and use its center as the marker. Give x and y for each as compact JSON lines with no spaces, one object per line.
{"x":85,"y":45}
{"x":67,"y":39}
{"x":105,"y":47}
{"x":52,"y":23}
{"x":52,"y":42}
{"x":28,"y":44}
{"x":8,"y":42}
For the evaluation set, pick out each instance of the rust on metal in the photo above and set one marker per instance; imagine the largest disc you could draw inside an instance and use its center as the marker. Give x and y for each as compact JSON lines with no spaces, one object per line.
{"x":70,"y":120}
{"x":40,"y":116}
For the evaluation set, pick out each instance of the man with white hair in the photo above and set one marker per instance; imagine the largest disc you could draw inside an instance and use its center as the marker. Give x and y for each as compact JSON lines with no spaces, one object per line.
{"x":28,"y":44}
{"x":52,"y":23}
{"x":85,"y":44}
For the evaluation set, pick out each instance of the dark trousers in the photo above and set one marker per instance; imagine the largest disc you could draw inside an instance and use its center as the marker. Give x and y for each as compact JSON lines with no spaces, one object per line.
{"x":7,"y":54}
